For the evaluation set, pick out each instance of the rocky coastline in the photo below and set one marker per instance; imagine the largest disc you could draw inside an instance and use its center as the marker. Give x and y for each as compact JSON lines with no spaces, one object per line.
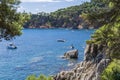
{"x":95,"y":61}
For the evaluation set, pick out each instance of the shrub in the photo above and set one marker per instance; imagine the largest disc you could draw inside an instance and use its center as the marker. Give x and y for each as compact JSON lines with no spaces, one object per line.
{"x":41,"y":77}
{"x":112,"y":72}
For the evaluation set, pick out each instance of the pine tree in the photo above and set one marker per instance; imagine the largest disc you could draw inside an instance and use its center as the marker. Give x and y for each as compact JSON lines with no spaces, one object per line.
{"x":11,"y":21}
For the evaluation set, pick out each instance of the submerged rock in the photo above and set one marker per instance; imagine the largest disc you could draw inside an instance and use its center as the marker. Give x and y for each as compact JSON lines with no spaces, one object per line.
{"x":71,"y":54}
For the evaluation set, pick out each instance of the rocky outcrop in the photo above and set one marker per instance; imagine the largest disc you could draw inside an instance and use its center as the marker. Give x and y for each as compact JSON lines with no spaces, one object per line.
{"x":93,"y":51}
{"x":94,"y":63}
{"x":71,"y":54}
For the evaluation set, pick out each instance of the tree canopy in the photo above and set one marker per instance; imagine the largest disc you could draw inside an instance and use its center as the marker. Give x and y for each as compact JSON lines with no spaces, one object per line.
{"x":109,"y":34}
{"x":69,"y":17}
{"x":11,"y":21}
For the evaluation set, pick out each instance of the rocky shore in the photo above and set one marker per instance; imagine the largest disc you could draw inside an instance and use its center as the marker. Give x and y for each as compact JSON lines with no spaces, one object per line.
{"x":95,"y":61}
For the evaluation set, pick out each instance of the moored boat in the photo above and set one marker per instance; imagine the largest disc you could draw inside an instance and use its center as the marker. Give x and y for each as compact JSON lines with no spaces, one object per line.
{"x":11,"y":46}
{"x":60,"y":40}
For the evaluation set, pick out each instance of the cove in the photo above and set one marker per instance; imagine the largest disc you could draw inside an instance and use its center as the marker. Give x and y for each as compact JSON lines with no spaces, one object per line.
{"x":39,"y":52}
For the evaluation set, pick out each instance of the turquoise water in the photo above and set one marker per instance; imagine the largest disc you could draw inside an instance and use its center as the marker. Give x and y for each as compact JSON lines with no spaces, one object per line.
{"x":39,"y":52}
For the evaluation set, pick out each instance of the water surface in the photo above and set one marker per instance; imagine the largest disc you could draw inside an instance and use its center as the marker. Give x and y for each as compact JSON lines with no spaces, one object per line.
{"x":39,"y":52}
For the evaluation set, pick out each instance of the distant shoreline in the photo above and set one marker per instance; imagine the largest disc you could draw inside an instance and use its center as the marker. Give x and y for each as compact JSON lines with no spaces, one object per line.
{"x":62,"y":28}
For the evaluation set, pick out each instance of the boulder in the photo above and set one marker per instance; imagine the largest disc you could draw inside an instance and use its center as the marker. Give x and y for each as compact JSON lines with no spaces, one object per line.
{"x":72,"y":54}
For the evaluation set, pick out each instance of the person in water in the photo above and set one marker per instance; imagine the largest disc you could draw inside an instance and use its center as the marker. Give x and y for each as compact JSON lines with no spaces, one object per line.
{"x":72,"y":47}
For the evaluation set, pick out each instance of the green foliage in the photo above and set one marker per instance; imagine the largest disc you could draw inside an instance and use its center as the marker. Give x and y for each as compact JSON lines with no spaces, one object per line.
{"x":109,"y":34}
{"x":11,"y":22}
{"x":41,"y":77}
{"x":32,"y":77}
{"x":112,"y":72}
{"x":90,"y":41}
{"x":111,"y":5}
{"x":67,"y":17}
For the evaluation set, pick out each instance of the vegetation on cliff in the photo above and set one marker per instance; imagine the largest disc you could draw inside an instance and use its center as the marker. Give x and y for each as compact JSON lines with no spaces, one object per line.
{"x":112,"y":72}
{"x":67,"y":17}
{"x":108,"y":36}
{"x":11,"y":22}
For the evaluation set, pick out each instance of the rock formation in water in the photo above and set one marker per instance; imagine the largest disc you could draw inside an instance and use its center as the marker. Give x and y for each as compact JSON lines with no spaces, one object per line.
{"x":72,"y":54}
{"x":95,"y":61}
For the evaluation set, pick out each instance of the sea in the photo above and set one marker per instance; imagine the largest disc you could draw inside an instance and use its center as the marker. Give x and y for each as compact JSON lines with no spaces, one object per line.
{"x":39,"y":52}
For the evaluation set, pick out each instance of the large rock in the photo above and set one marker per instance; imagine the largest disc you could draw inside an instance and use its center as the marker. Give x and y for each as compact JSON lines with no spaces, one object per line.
{"x":71,"y":54}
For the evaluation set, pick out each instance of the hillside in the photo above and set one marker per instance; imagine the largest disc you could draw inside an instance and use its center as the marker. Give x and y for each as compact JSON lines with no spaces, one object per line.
{"x":66,"y":18}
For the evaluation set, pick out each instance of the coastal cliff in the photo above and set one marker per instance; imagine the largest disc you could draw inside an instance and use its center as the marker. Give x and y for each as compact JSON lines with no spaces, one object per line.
{"x":73,"y":17}
{"x":95,"y":61}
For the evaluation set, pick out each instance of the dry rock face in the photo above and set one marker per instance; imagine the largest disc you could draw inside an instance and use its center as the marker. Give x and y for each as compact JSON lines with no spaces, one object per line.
{"x":89,"y":69}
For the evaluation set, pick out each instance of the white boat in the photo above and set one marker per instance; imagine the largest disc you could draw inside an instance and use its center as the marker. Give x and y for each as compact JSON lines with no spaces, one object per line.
{"x":11,"y":46}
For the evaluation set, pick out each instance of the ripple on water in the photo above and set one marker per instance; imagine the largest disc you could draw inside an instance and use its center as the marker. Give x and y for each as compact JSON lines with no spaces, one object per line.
{"x":36,"y":59}
{"x":70,"y":64}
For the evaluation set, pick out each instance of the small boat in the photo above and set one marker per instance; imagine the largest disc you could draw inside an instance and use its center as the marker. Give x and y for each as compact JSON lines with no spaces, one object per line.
{"x":11,"y":46}
{"x":60,"y":40}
